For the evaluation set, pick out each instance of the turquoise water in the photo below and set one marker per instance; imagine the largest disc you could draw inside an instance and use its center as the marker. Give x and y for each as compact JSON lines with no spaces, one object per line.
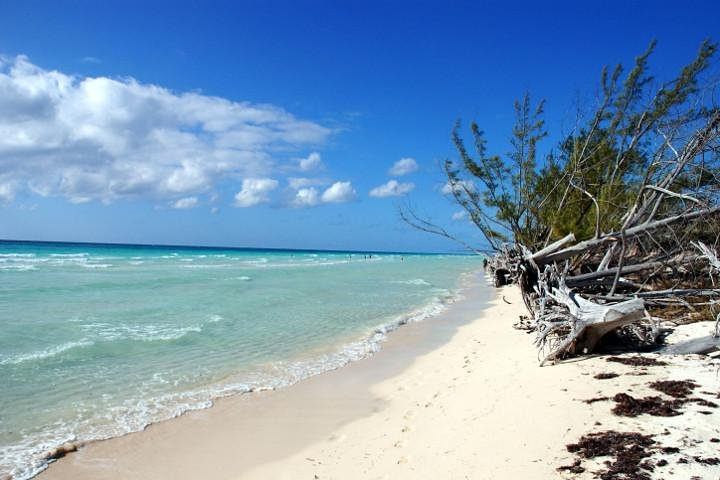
{"x":97,"y":341}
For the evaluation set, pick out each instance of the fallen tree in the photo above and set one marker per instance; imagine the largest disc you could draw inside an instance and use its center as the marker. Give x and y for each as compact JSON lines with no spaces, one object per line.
{"x":618,"y":230}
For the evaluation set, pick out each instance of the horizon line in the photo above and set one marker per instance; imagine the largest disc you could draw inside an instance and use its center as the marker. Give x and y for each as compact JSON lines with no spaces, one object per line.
{"x":220,"y":247}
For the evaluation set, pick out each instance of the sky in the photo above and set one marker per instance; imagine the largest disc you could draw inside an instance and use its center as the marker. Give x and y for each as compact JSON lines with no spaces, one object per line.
{"x":287,"y":124}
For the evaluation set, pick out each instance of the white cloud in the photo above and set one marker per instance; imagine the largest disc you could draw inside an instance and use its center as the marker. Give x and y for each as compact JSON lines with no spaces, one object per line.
{"x":403,"y":167}
{"x":339,"y":192}
{"x":214,"y":210}
{"x":306,"y":197}
{"x":460,"y":186}
{"x":104,"y":139}
{"x":255,"y":191}
{"x":297,"y":183}
{"x":184,"y":203}
{"x":392,"y":189}
{"x":459,"y":215}
{"x":312,"y":162}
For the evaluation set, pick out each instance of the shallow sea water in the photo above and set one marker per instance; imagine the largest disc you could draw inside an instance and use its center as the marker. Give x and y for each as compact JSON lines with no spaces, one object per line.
{"x":100,"y":340}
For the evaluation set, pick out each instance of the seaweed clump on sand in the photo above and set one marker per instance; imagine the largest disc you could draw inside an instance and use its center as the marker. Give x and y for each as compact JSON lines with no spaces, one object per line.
{"x":675,"y":388}
{"x":590,"y":401}
{"x":606,"y":375}
{"x":628,"y":450}
{"x":637,"y":361}
{"x":628,"y":406}
{"x":576,"y":467}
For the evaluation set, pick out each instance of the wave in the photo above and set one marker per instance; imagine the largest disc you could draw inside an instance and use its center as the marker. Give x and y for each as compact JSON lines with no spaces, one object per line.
{"x":414,"y":281}
{"x":108,"y":332}
{"x":260,"y":260}
{"x":304,"y":264}
{"x":46,"y":353}
{"x":144,"y":333}
{"x":244,"y":278}
{"x":208,"y":265}
{"x":18,"y":268}
{"x":96,"y":265}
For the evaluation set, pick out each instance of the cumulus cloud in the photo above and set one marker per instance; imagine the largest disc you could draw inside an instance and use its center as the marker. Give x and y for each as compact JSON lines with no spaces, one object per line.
{"x":306,"y":197}
{"x":403,"y":167}
{"x":104,"y":139}
{"x":339,"y":192}
{"x":392,"y":188}
{"x":184,"y":203}
{"x":312,"y":162}
{"x":255,"y":191}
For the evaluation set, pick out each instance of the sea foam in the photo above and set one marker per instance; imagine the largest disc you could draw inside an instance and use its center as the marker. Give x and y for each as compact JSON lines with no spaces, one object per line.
{"x":45,"y":353}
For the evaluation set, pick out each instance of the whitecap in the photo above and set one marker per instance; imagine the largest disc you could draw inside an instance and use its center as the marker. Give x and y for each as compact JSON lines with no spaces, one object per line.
{"x":144,"y":333}
{"x":18,"y":268}
{"x":46,"y":353}
{"x":414,"y":281}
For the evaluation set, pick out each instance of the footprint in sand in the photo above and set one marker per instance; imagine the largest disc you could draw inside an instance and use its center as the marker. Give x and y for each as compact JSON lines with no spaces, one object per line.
{"x":399,"y":444}
{"x":402,"y":460}
{"x":406,"y":428}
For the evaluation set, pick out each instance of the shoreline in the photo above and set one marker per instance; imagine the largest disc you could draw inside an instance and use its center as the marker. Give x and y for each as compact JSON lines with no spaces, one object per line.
{"x":403,"y":340}
{"x":325,"y":351}
{"x":462,"y":397}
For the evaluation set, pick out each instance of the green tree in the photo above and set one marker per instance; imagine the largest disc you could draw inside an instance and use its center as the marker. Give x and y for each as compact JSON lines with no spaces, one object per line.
{"x":633,"y":146}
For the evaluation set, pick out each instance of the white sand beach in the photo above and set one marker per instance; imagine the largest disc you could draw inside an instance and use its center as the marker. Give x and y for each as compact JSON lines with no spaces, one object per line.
{"x":438,"y":401}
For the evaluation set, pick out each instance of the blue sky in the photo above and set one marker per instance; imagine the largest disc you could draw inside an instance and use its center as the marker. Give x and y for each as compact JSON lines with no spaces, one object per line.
{"x":269,"y":123}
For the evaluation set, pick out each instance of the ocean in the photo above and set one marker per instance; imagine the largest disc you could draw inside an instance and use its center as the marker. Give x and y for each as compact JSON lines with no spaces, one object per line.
{"x":100,"y":340}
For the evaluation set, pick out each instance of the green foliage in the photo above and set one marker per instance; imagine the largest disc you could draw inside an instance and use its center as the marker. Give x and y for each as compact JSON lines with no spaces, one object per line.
{"x":595,"y":176}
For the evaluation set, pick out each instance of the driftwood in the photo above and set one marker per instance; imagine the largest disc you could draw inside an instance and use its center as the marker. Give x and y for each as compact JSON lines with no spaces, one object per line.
{"x":699,"y":346}
{"x":571,"y":312}
{"x":582,"y":247}
{"x":658,"y":267}
{"x":589,"y":321}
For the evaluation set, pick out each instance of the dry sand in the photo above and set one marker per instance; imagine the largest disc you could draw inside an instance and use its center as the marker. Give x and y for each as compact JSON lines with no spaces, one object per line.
{"x":459,"y":396}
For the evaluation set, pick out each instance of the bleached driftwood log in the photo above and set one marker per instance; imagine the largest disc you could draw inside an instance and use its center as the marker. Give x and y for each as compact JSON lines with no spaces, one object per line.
{"x":588,"y":321}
